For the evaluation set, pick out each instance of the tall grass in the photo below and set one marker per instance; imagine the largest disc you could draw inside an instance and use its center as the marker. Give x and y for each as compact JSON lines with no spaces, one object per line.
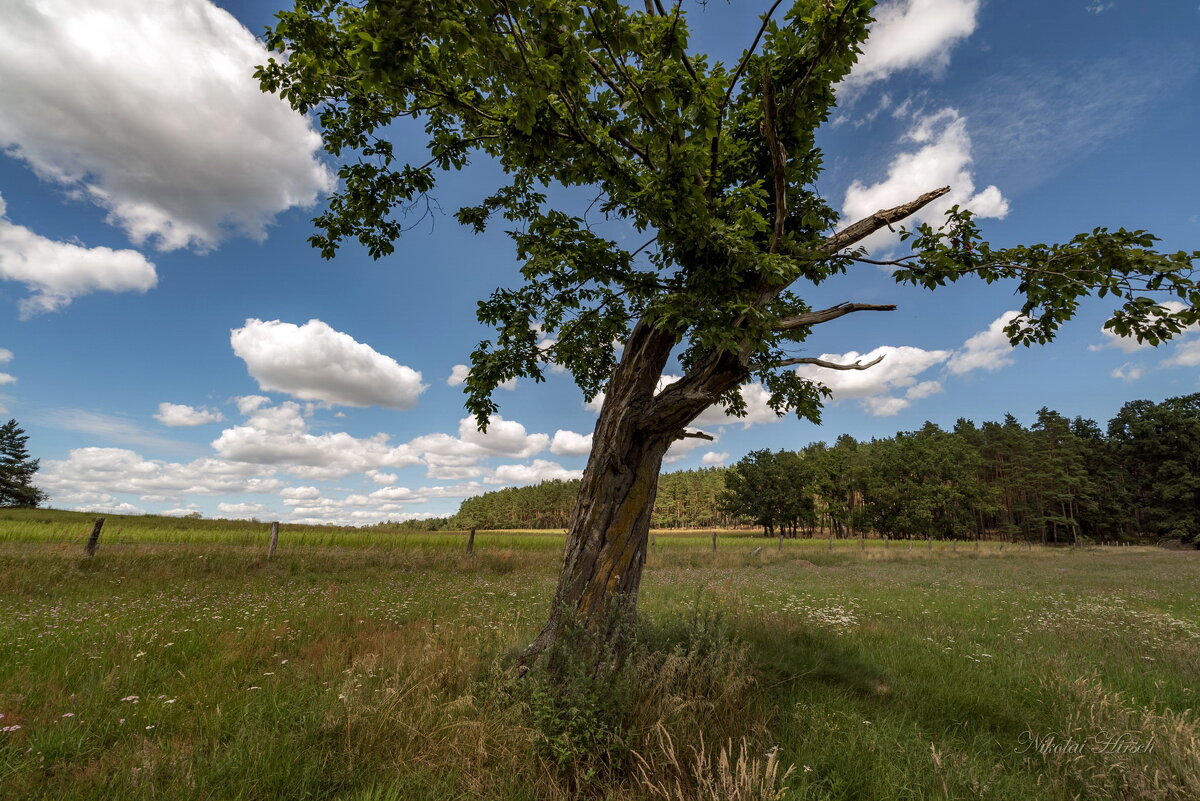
{"x":196,"y":669}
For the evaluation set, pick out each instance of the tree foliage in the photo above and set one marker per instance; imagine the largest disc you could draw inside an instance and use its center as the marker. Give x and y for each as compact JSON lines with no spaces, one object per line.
{"x":17,"y":468}
{"x":714,"y":161}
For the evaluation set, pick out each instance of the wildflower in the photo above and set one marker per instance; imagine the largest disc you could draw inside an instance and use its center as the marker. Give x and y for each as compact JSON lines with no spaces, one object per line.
{"x":807,"y":769}
{"x":151,"y":726}
{"x":169,"y":701}
{"x":10,"y":728}
{"x":132,"y":698}
{"x":69,"y":715}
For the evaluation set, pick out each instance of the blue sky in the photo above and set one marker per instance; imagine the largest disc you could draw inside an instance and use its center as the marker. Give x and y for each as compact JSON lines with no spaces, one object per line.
{"x":171,"y":343}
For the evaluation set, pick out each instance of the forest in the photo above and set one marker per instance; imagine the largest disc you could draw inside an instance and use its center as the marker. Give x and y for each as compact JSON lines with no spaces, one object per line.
{"x":1059,"y":480}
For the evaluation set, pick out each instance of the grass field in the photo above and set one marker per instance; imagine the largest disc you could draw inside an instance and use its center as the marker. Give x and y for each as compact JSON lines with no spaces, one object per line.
{"x":370,"y":666}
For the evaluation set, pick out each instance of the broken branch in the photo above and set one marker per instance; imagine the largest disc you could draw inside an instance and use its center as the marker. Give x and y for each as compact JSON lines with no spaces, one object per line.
{"x":819,"y":363}
{"x":825,"y":315}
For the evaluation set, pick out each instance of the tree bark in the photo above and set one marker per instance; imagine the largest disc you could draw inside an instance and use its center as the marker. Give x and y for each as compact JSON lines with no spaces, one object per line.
{"x":610,"y":526}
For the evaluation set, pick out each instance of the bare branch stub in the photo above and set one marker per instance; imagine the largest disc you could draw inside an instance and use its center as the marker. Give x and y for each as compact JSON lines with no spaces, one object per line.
{"x":856,"y":232}
{"x":819,"y":363}
{"x":825,"y":315}
{"x":685,"y":434}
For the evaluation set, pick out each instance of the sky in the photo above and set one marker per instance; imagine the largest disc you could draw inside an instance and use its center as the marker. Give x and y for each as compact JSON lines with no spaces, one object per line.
{"x":172,"y":344}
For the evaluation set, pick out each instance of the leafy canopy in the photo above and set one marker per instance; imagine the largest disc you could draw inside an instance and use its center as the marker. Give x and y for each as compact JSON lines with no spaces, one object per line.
{"x":715,"y":162}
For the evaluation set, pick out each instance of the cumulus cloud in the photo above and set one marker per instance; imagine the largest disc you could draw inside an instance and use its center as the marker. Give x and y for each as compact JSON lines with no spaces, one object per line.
{"x":911,"y":34}
{"x":314,"y":362}
{"x":885,"y":405}
{"x":923,"y":390}
{"x":568,"y":443}
{"x":178,"y":414}
{"x":942,"y":158}
{"x":6,"y":356}
{"x":380,"y":477}
{"x":1128,"y":372}
{"x":119,"y":470}
{"x":714,"y":458}
{"x":279,"y":436}
{"x":151,"y":111}
{"x":538,"y":470}
{"x":459,"y":373}
{"x":1187,"y":354}
{"x":757,"y":410}
{"x":898,"y":370}
{"x":299,"y":493}
{"x":987,"y":350}
{"x":58,"y":272}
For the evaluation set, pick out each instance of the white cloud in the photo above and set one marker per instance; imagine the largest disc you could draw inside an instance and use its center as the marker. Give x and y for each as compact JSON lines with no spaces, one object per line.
{"x":923,"y":390}
{"x":299,"y":493}
{"x":1128,"y":372}
{"x":109,"y":470}
{"x":315,"y":362}
{"x":1099,"y":6}
{"x":898,"y":370}
{"x":279,"y":435}
{"x":459,"y":373}
{"x":910,"y":34}
{"x":178,"y":414}
{"x":1187,"y":354}
{"x":539,"y":470}
{"x":568,"y":443}
{"x":151,"y":111}
{"x":380,"y":477}
{"x":757,"y":410}
{"x":885,"y":405}
{"x":6,"y":356}
{"x":943,"y":158}
{"x":58,"y":272}
{"x":714,"y":458}
{"x":987,"y":350}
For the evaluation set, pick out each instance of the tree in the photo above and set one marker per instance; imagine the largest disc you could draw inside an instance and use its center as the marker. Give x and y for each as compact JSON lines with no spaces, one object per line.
{"x":1158,"y":445}
{"x":17,"y":469}
{"x":714,"y":162}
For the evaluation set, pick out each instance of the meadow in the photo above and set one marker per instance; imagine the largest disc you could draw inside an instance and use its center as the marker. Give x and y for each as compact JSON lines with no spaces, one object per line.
{"x":368,"y":665}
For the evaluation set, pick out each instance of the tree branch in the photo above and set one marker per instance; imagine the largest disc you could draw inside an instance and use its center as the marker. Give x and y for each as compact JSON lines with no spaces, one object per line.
{"x":825,"y":315}
{"x":770,"y":131}
{"x":694,"y":435}
{"x":856,"y":232}
{"x":819,"y":363}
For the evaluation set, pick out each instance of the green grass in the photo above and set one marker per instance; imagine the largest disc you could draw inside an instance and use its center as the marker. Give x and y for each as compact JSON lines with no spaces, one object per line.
{"x":374,"y":667}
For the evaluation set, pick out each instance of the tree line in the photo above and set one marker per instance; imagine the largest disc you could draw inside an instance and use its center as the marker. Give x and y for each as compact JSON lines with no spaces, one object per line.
{"x":685,"y":499}
{"x":1058,"y":480}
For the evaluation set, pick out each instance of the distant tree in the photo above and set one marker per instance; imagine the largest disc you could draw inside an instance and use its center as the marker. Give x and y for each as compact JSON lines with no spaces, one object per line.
{"x":716,"y":162}
{"x":1158,"y":445}
{"x":17,"y":469}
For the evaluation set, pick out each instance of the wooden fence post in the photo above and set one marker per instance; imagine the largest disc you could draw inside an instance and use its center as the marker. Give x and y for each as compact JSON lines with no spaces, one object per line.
{"x":471,"y":541}
{"x":93,"y":541}
{"x":780,"y":549}
{"x":274,"y":541}
{"x":714,"y":535}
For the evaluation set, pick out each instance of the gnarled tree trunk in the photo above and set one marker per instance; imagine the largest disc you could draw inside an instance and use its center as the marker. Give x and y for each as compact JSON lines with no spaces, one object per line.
{"x":607,"y":537}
